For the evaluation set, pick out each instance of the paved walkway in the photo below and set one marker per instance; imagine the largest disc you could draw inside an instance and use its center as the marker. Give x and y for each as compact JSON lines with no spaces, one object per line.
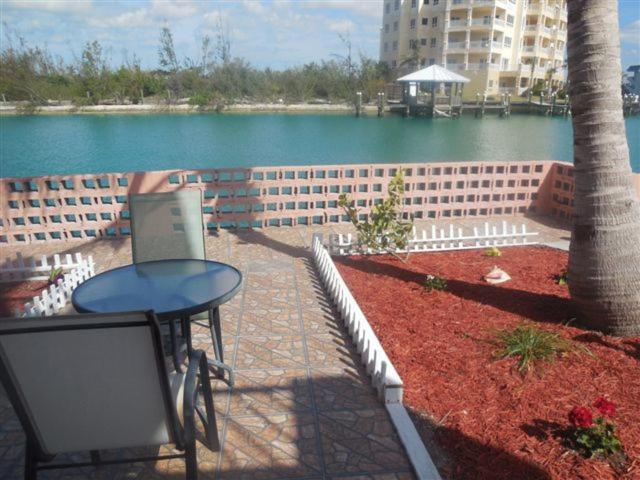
{"x":302,"y":406}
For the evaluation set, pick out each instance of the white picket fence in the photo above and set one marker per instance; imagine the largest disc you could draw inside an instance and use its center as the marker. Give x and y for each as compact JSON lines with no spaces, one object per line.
{"x":15,"y":270}
{"x":56,"y":297}
{"x":384,"y":376}
{"x":442,"y":239}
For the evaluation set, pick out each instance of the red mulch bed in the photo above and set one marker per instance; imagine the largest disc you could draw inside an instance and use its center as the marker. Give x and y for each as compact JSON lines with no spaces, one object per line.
{"x":13,"y":295}
{"x":488,"y":420}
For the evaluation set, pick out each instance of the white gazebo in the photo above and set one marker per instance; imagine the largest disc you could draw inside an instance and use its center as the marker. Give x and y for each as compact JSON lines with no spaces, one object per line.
{"x":432,"y":77}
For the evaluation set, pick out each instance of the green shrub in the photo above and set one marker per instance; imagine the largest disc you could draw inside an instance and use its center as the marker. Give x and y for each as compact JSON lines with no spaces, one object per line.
{"x":492,"y":252}
{"x":384,"y":228}
{"x":433,"y":282}
{"x":530,"y":345}
{"x":561,"y":278}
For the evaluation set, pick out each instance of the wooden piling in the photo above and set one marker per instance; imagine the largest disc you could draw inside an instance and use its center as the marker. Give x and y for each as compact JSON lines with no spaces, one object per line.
{"x":358,"y":103}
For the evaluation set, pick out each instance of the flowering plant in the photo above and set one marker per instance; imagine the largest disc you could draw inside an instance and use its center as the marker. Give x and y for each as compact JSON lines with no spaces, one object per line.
{"x":55,"y":275}
{"x":596,"y":438}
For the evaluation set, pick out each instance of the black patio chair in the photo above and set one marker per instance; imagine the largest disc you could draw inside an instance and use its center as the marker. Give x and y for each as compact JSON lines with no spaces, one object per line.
{"x":85,"y":383}
{"x":168,"y":225}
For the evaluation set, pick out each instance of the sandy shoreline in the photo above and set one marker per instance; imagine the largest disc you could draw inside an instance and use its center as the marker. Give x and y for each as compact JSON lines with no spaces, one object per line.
{"x":154,"y":108}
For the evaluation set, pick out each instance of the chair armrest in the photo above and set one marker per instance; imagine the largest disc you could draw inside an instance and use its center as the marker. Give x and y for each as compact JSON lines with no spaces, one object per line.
{"x":198,"y":373}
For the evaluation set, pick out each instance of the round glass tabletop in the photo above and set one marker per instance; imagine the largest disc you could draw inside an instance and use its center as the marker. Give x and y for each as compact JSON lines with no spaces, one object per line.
{"x":171,"y":288}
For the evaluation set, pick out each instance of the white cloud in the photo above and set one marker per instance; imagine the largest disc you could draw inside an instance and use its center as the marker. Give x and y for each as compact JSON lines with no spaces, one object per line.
{"x":52,"y":5}
{"x":631,"y":33}
{"x":135,"y":18}
{"x":173,"y":8}
{"x":340,"y":26}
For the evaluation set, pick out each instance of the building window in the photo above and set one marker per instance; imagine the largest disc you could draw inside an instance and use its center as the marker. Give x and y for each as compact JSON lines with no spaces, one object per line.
{"x":423,"y":62}
{"x":386,"y":28}
{"x":425,"y":21}
{"x":432,"y":61}
{"x":490,"y":83}
{"x":510,"y":19}
{"x":386,"y":47}
{"x":434,"y":22}
{"x":413,"y":44}
{"x":505,"y":63}
{"x":426,"y":2}
{"x":436,"y":2}
{"x":507,"y":41}
{"x":387,"y":8}
{"x":433,"y":41}
{"x":395,"y":45}
{"x":394,"y":63}
{"x":412,"y":24}
{"x":395,"y":26}
{"x":414,"y":3}
{"x":423,"y":41}
{"x":396,"y":5}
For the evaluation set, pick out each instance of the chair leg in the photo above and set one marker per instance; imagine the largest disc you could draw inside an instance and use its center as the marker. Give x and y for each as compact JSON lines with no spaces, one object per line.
{"x":216,"y":337}
{"x":191,"y":461}
{"x":95,"y":457}
{"x":209,"y":417}
{"x":185,"y":326}
{"x":30,"y":464}
{"x":175,"y":347}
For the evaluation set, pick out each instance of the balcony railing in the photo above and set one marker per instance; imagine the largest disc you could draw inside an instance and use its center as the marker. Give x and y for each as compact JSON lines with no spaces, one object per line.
{"x":481,"y":44}
{"x":481,"y":21}
{"x":457,"y":45}
{"x":496,"y":44}
{"x":457,"y":23}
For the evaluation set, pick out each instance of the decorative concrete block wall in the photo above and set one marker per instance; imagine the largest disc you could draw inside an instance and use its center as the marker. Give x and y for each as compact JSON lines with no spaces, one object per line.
{"x":81,"y":207}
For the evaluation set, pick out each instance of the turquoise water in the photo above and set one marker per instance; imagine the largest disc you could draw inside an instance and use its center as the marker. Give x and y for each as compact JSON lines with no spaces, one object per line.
{"x":40,"y":145}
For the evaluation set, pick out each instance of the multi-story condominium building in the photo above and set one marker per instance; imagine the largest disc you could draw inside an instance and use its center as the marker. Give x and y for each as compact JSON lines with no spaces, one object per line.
{"x":500,"y":45}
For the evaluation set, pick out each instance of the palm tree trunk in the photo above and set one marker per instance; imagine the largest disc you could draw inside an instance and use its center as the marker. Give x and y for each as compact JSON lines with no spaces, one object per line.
{"x":604,"y":258}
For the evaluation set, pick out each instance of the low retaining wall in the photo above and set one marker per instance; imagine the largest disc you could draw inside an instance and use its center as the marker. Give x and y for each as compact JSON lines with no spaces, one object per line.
{"x":384,"y":377}
{"x":81,"y":207}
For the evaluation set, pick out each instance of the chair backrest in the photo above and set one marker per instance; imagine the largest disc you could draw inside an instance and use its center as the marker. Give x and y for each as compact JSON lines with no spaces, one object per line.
{"x":167,"y":225}
{"x":88,"y":382}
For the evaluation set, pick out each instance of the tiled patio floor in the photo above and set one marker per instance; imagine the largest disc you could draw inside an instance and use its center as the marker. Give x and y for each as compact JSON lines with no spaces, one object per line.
{"x":302,"y":406}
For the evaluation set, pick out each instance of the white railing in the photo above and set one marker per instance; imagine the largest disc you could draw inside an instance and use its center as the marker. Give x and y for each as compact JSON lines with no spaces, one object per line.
{"x":456,"y":45}
{"x":481,"y":21}
{"x":57,"y":296}
{"x":531,"y":27}
{"x":438,"y":240}
{"x":384,"y":376}
{"x":479,"y":44}
{"x":14,"y":270}
{"x":457,"y":23}
{"x":496,"y":44}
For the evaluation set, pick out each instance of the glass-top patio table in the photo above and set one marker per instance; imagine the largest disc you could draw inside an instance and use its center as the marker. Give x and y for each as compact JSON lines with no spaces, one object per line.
{"x":173,"y":289}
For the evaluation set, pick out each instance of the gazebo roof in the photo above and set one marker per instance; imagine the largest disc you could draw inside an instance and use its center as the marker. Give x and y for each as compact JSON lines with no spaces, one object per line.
{"x":434,"y":73}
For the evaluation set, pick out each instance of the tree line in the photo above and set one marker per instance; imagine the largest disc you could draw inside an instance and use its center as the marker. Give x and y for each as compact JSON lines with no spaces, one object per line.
{"x":33,"y":74}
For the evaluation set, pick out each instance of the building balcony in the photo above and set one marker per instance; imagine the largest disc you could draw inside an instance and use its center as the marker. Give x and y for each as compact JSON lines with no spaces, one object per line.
{"x":479,"y":45}
{"x":460,"y":3}
{"x":457,"y":46}
{"x":458,"y":24}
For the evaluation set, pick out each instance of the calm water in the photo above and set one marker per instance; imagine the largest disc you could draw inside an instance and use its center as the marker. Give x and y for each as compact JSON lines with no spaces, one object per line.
{"x":39,"y":145}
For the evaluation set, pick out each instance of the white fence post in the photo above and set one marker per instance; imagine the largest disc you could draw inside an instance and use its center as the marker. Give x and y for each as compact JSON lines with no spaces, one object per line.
{"x":446,"y":239}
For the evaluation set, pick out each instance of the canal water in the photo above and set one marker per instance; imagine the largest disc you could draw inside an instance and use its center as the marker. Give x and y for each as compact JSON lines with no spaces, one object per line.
{"x":41,"y":145}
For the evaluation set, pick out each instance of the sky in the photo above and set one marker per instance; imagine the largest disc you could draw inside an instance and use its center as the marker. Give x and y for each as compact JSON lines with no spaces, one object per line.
{"x":267,"y":33}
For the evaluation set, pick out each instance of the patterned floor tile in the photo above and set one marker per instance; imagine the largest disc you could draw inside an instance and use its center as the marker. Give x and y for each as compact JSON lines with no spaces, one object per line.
{"x":270,"y":322}
{"x":270,"y":391}
{"x":270,"y":447}
{"x":331,"y":349}
{"x":277,"y":351}
{"x":343,"y":388}
{"x":360,"y":441}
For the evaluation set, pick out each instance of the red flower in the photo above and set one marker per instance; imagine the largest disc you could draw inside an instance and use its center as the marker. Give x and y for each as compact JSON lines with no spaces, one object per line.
{"x":604,"y":406}
{"x":581,"y":417}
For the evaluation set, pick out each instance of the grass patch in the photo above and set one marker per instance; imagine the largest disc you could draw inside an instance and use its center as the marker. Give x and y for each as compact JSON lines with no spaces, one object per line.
{"x":530,"y":345}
